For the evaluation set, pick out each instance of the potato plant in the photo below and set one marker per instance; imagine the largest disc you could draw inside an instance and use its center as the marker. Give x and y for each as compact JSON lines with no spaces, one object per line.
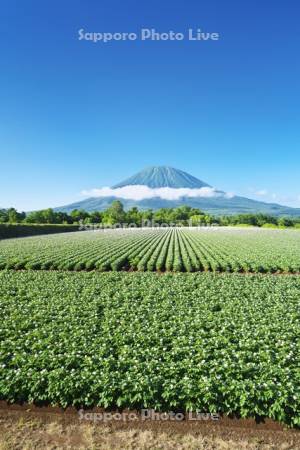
{"x":176,"y":250}
{"x":225,"y":343}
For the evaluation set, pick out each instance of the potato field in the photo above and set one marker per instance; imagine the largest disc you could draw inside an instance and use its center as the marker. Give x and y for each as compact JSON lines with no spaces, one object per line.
{"x":147,"y":333}
{"x":226,"y":343}
{"x":174,"y":250}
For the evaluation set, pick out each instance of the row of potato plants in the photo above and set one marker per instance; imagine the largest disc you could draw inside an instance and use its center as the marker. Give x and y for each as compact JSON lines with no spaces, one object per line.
{"x":176,"y":250}
{"x":217,"y":343}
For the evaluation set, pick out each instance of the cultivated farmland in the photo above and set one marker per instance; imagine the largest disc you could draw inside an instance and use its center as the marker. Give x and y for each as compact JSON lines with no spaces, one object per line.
{"x":175,"y":250}
{"x":224,"y":343}
{"x":219,"y":342}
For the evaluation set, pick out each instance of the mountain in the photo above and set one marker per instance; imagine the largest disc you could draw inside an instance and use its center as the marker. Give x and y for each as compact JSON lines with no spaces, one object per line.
{"x":163,"y":176}
{"x":216,"y":206}
{"x":205,"y":198}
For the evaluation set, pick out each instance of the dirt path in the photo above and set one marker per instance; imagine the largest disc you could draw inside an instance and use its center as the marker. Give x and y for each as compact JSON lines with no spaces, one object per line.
{"x":27,"y":427}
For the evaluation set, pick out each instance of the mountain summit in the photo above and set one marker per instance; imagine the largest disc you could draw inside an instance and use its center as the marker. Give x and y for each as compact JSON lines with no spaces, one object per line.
{"x":197,"y":194}
{"x":163,"y":176}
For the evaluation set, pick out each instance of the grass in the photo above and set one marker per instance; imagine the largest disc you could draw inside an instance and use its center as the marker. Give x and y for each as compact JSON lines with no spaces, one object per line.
{"x":25,"y":433}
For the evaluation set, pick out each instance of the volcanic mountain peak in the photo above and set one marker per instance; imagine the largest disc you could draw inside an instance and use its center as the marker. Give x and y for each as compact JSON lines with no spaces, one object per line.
{"x":208,"y":200}
{"x":163,"y":176}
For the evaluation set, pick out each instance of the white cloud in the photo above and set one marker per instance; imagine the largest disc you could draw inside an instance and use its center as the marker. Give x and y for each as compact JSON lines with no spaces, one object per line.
{"x":261,"y":193}
{"x":141,"y":192}
{"x":273,"y":197}
{"x":228,"y":195}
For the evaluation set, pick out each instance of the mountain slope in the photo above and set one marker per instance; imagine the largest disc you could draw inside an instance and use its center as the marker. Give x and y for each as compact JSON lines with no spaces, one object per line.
{"x":216,"y":206}
{"x":163,"y":176}
{"x":160,"y":177}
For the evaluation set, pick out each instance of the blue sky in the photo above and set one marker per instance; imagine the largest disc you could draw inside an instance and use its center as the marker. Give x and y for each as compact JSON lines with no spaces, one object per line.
{"x":77,"y":115}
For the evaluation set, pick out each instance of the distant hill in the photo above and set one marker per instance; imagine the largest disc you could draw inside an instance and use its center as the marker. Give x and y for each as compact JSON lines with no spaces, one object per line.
{"x":157,"y":177}
{"x":216,"y":206}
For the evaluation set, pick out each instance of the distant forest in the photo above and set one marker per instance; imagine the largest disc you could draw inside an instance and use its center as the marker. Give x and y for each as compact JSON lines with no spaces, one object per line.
{"x":115,"y":214}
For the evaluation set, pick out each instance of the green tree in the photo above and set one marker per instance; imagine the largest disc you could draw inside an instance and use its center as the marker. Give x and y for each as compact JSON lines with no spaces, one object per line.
{"x":285,"y":222}
{"x":96,"y":216}
{"x":197,"y":220}
{"x":78,"y":215}
{"x":13,"y":216}
{"x":134,"y":216}
{"x":115,"y":213}
{"x":3,"y":216}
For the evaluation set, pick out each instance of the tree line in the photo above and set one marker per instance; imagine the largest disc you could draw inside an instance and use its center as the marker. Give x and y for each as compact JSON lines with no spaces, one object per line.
{"x":115,"y":214}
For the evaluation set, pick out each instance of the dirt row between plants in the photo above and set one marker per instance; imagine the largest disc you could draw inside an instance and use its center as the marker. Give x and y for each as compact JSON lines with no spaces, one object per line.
{"x":159,"y":272}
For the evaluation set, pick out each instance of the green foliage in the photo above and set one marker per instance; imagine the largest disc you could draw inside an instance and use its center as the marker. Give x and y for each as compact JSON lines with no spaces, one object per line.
{"x":11,"y":215}
{"x":269,"y":225}
{"x":9,"y":230}
{"x":217,"y":343}
{"x":285,"y":222}
{"x":166,"y":249}
{"x":48,"y":216}
{"x":115,"y":214}
{"x":77,"y":215}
